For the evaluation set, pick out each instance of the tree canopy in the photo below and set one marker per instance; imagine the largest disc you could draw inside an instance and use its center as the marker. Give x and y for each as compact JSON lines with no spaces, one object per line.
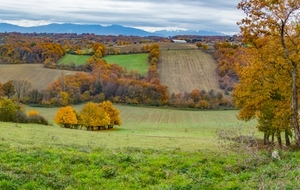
{"x":268,"y":87}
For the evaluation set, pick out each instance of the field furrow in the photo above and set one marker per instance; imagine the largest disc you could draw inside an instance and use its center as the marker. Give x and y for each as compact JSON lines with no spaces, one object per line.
{"x":186,"y":70}
{"x":39,"y":76}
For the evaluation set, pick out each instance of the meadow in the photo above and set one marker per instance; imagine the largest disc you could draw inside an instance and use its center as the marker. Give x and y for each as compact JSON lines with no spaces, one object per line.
{"x":135,"y":62}
{"x":76,"y":59}
{"x":161,"y":128}
{"x":154,"y":148}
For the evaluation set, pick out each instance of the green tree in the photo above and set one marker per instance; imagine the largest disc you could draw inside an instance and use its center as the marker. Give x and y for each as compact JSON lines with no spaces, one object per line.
{"x":8,"y":110}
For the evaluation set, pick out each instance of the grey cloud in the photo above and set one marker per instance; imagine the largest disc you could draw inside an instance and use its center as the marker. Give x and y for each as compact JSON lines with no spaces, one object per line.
{"x":216,"y":15}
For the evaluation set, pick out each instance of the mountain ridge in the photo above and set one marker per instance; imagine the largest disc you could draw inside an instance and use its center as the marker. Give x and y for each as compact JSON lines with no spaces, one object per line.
{"x":100,"y":30}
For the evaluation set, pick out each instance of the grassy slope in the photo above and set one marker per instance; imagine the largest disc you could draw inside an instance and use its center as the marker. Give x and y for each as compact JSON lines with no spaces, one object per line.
{"x":137,"y":62}
{"x":151,"y":150}
{"x":77,"y":59}
{"x":39,"y":76}
{"x":160,"y":128}
{"x":186,"y":70}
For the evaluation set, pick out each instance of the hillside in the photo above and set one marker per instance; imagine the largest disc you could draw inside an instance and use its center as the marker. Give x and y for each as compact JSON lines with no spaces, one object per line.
{"x":39,"y":76}
{"x":186,"y":70}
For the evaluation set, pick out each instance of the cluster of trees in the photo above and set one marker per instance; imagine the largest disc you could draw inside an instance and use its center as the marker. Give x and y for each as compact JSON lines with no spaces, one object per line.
{"x":92,"y":116}
{"x":199,"y":99}
{"x":269,"y":82}
{"x":12,"y":111}
{"x":19,"y":88}
{"x":228,"y":55}
{"x":30,"y":53}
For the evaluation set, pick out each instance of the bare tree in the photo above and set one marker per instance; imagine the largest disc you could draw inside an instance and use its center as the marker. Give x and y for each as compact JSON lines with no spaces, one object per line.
{"x":22,"y":86}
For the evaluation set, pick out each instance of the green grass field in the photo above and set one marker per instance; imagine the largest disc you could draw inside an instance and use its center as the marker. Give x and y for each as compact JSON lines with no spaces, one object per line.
{"x":154,"y":149}
{"x":136,"y":62}
{"x":77,"y":59}
{"x":161,"y":128}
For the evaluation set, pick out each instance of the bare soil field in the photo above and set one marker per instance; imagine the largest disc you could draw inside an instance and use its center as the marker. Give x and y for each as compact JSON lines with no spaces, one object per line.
{"x":185,"y":70}
{"x":162,"y":46}
{"x":40,"y":77}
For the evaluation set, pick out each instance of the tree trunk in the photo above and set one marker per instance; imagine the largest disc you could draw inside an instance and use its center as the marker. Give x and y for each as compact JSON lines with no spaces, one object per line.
{"x":287,"y":138}
{"x":266,"y":139}
{"x":272,"y":138}
{"x":279,"y":140}
{"x":295,"y":105}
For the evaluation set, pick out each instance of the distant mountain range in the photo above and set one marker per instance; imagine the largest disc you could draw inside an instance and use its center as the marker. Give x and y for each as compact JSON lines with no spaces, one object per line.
{"x":101,"y":30}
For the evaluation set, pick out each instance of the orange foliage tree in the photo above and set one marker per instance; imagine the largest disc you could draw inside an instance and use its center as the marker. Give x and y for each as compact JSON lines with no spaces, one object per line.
{"x":112,"y":112}
{"x":277,"y":21}
{"x":66,"y":117}
{"x":93,"y":117}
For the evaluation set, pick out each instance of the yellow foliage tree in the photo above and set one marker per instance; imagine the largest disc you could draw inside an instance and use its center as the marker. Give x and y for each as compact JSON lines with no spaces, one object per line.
{"x":66,"y":117}
{"x":93,"y":116}
{"x":112,"y":112}
{"x":263,"y":91}
{"x":33,"y":112}
{"x":279,"y":22}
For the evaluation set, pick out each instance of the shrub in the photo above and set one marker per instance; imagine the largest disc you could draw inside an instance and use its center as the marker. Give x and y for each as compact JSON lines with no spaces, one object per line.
{"x":33,"y":112}
{"x":21,"y":117}
{"x":8,"y":110}
{"x":38,"y":119}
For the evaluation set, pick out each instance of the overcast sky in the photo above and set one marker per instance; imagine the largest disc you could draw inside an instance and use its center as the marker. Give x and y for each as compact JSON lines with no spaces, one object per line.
{"x":151,"y":15}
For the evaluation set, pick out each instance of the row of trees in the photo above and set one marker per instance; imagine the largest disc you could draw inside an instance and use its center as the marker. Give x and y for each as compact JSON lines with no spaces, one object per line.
{"x":19,"y":88}
{"x":92,"y":116}
{"x":30,"y":53}
{"x":199,"y":99}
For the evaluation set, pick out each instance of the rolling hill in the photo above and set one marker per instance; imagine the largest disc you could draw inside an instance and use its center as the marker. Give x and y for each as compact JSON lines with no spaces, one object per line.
{"x":182,"y":67}
{"x":40,"y":77}
{"x":185,"y":70}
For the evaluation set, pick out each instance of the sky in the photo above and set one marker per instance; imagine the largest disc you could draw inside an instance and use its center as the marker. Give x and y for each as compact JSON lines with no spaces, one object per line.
{"x":149,"y":15}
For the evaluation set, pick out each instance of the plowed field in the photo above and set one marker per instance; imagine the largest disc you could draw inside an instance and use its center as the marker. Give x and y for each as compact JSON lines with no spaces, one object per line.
{"x":40,"y":77}
{"x":185,"y":70}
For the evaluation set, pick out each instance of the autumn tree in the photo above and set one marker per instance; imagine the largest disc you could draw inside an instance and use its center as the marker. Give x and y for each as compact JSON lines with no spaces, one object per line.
{"x":262,"y":92}
{"x":113,"y":113}
{"x":8,"y":110}
{"x":93,"y":116}
{"x":277,"y":21}
{"x":66,"y":117}
{"x":22,"y":86}
{"x":1,"y":90}
{"x":9,"y":89}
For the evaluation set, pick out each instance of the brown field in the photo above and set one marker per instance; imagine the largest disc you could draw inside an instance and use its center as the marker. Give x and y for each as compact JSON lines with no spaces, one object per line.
{"x":40,"y":77}
{"x":184,"y":70}
{"x":162,"y":46}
